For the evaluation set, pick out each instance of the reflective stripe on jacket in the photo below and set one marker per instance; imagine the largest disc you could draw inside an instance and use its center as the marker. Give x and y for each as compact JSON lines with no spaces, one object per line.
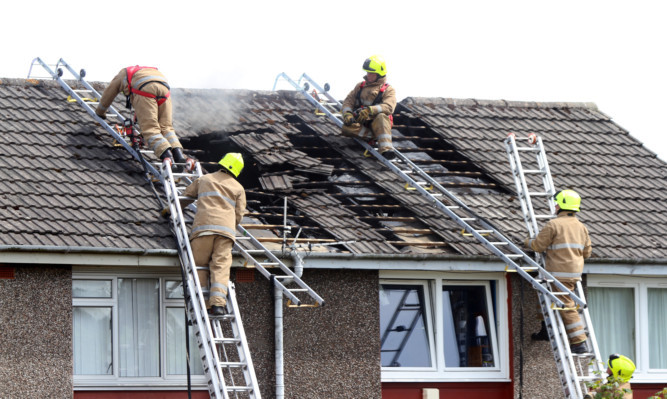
{"x":368,"y":95}
{"x":221,"y":204}
{"x":566,"y":242}
{"x":140,"y":80}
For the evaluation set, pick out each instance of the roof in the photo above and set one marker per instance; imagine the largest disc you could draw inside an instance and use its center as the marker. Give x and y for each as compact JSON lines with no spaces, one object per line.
{"x":58,"y":163}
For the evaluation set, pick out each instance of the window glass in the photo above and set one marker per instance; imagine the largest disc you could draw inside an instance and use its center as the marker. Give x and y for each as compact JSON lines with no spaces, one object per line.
{"x":176,"y":359}
{"x":657,"y":327}
{"x":92,"y":340}
{"x":139,"y":327}
{"x":404,"y":335}
{"x":466,"y":327}
{"x":174,"y":289}
{"x":91,"y":288}
{"x":612,"y":312}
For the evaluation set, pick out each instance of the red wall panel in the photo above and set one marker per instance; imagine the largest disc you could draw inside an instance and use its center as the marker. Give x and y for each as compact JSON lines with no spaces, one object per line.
{"x":475,"y":390}
{"x":139,"y":394}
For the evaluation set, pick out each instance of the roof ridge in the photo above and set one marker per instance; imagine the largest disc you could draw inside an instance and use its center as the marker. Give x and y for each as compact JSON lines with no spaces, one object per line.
{"x":470,"y":102}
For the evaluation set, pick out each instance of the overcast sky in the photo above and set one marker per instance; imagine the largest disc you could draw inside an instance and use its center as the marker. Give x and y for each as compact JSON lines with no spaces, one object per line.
{"x":611,"y":53}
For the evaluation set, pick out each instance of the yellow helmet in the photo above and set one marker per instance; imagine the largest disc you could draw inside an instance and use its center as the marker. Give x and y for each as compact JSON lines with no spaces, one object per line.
{"x":375,"y":64}
{"x":233,"y":162}
{"x":621,"y":367}
{"x":568,"y":200}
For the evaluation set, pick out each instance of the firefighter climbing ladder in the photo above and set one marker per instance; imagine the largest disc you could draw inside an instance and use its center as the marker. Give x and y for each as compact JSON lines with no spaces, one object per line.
{"x":572,"y":372}
{"x":226,"y":359}
{"x":418,"y":180}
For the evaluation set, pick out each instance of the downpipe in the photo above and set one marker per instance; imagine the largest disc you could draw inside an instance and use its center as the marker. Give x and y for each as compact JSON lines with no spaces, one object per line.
{"x":279,"y":352}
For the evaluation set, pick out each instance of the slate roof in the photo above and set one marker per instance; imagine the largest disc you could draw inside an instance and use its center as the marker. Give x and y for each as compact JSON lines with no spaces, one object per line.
{"x":57,"y":163}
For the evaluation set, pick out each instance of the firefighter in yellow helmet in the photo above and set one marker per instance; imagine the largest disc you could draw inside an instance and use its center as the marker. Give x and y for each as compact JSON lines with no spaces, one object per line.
{"x":620,"y":369}
{"x":148,"y":92}
{"x":566,"y":242}
{"x":368,"y":108}
{"x":221,"y":204}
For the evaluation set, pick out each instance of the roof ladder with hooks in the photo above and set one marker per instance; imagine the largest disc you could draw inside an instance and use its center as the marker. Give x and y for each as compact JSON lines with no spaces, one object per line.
{"x":418,"y":181}
{"x":573,"y":369}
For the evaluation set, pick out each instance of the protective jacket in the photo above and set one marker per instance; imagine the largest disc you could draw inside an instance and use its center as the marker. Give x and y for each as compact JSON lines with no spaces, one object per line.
{"x":368,"y":94}
{"x":221,"y":204}
{"x":150,"y":97}
{"x":566,"y":242}
{"x":141,"y":77}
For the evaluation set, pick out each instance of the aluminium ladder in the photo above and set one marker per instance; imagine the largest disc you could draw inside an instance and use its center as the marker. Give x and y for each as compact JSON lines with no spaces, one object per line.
{"x":417,"y":180}
{"x":571,"y":371}
{"x":209,"y":331}
{"x":233,"y":377}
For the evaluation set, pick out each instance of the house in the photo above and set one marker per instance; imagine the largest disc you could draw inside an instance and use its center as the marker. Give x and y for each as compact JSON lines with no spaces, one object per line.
{"x":90,"y":302}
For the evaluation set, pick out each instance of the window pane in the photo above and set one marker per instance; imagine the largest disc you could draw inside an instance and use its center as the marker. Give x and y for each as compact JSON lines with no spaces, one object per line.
{"x":403,"y":326}
{"x":174,"y":289}
{"x":139,"y":327}
{"x":466,"y":327}
{"x":91,"y":288}
{"x":176,"y":359}
{"x":612,"y":312}
{"x":92,"y":341}
{"x":657,"y":327}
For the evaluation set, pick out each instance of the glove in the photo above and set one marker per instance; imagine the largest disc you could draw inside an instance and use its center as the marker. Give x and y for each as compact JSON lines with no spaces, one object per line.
{"x":165,"y":212}
{"x":365,"y":114}
{"x":102,"y":115}
{"x":348,"y":118}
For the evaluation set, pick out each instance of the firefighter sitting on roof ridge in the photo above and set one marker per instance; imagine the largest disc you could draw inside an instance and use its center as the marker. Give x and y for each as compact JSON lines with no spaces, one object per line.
{"x":221,"y":203}
{"x":368,"y":107}
{"x":147,"y":91}
{"x":566,"y":242}
{"x":620,"y":369}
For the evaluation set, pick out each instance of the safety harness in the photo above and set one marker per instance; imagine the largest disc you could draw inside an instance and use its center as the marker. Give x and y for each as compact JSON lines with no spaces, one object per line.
{"x":130,"y":73}
{"x":377,"y":100}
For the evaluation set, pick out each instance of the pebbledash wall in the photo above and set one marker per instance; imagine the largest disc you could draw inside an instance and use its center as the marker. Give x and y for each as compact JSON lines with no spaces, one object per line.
{"x":36,"y":332}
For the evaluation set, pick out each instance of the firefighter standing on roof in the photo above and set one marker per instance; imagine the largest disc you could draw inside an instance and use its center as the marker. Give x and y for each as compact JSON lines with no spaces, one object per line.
{"x":221,"y":204}
{"x":368,"y":107}
{"x":148,"y":92}
{"x":566,"y":242}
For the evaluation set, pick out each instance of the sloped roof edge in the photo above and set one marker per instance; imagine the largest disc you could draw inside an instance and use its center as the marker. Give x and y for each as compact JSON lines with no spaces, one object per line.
{"x":497,"y":103}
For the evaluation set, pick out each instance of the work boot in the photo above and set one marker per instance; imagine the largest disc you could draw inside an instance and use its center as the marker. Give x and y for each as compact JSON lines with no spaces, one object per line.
{"x":389,"y":155}
{"x":167,"y":154}
{"x":543,"y":335}
{"x":178,"y":155}
{"x":579,"y":348}
{"x":218,"y":310}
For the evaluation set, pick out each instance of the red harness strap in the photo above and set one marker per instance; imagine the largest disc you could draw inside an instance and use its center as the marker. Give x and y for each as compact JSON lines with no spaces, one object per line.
{"x":377,"y":99}
{"x":130,"y":73}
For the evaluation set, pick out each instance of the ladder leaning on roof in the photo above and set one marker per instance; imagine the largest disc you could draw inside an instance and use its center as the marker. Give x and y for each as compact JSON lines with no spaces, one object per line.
{"x":417,"y":180}
{"x":234,"y":376}
{"x":571,"y":371}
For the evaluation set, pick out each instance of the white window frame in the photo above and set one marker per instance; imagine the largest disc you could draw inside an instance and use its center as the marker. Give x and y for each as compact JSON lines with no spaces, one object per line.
{"x":499,"y":333}
{"x":640,"y":285}
{"x":115,"y":381}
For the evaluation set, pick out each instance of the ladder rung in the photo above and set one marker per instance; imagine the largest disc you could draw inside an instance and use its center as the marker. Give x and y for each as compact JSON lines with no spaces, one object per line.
{"x":298,"y":290}
{"x":534,"y":171}
{"x":545,"y":216}
{"x":269,"y":264}
{"x":468,"y":219}
{"x":529,"y":268}
{"x":534,"y":149}
{"x":539,"y":194}
{"x":514,"y":255}
{"x":283,"y":276}
{"x":239,"y":389}
{"x":233,"y":364}
{"x":499,"y":243}
{"x":226,"y":340}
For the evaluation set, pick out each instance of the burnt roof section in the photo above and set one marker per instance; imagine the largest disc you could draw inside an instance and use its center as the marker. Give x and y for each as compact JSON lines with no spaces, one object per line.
{"x":337,"y":198}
